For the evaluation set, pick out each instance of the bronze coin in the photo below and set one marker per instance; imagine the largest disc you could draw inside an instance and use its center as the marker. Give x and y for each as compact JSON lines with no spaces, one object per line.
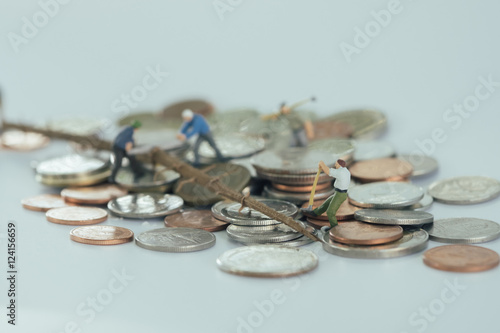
{"x":360,"y":233}
{"x":23,"y":141}
{"x":76,"y":215}
{"x":101,"y":235}
{"x":44,"y":202}
{"x":461,"y":258}
{"x":93,"y":195}
{"x":318,"y":224}
{"x":302,"y":188}
{"x":196,"y":105}
{"x":381,"y":169}
{"x":345,"y":212}
{"x":326,"y":129}
{"x":195,"y":218}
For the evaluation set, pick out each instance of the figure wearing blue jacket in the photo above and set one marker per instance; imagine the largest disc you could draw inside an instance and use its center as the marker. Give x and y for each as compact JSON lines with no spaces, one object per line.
{"x":123,"y":142}
{"x":195,"y":124}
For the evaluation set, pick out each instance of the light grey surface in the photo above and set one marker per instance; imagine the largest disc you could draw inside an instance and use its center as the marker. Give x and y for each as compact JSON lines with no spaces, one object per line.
{"x":429,"y":57}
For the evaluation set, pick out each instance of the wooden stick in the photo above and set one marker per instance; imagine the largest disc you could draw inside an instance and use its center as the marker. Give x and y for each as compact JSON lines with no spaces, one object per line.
{"x":184,"y":169}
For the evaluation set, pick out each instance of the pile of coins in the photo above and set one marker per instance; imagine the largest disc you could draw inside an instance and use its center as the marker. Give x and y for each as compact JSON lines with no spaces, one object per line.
{"x":251,"y":227}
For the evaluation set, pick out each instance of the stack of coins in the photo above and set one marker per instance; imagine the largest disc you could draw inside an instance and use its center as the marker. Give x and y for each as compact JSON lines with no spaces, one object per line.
{"x":72,"y":170}
{"x":252,"y":227}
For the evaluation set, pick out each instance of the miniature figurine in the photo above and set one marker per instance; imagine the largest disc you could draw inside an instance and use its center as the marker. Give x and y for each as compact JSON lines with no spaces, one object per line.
{"x":122,"y":144}
{"x":331,"y":205}
{"x":196,"y":124}
{"x":302,"y":130}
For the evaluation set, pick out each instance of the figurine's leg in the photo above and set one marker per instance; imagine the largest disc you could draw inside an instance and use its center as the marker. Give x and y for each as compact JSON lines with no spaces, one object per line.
{"x":196,"y":148}
{"x":324,"y":206}
{"x":210,"y":139}
{"x":293,"y":140}
{"x":334,"y":207}
{"x":135,"y":166}
{"x":119,"y":153}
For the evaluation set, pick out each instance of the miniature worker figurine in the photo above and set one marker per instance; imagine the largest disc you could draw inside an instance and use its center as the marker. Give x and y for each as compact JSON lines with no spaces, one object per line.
{"x":122,"y":144}
{"x":342,"y":180}
{"x":196,"y":124}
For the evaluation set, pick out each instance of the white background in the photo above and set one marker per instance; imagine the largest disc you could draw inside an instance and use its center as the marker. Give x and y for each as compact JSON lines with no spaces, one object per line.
{"x":428,"y":57}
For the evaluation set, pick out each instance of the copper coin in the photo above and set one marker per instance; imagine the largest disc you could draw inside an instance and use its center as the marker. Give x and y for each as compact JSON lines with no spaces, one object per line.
{"x":93,"y":195}
{"x":325,"y":129}
{"x":345,"y":212}
{"x":76,"y":215}
{"x":318,"y":224}
{"x":44,"y":202}
{"x":381,"y":169}
{"x":302,"y":188}
{"x":24,"y":141}
{"x":360,"y":233}
{"x":196,"y":105}
{"x":101,"y":235}
{"x":195,"y":218}
{"x":461,"y":258}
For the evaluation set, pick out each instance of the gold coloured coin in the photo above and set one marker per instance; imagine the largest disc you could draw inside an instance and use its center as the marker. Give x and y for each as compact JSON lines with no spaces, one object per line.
{"x":461,"y":258}
{"x":360,"y":233}
{"x":101,"y":235}
{"x":76,"y":215}
{"x":44,"y":202}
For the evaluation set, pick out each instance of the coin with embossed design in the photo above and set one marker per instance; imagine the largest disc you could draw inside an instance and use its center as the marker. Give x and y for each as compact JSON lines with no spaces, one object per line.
{"x":92,"y":195}
{"x":465,"y":190}
{"x":385,"y":195}
{"x":101,"y":235}
{"x":76,"y":215}
{"x":175,"y":240}
{"x":461,"y":258}
{"x":195,"y":218}
{"x":360,"y":233}
{"x":465,"y":230}
{"x":43,"y":202}
{"x":145,"y":205}
{"x":381,"y":169}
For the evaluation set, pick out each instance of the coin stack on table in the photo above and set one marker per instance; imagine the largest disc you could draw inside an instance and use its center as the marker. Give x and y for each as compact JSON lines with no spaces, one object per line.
{"x":248,"y":226}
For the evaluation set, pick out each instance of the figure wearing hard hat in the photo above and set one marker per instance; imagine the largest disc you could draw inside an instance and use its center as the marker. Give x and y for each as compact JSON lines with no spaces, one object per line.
{"x":122,"y":144}
{"x":195,"y":124}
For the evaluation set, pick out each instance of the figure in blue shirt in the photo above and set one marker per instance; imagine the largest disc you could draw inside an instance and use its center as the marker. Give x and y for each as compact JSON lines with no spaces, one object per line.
{"x":123,"y":142}
{"x":196,"y":124}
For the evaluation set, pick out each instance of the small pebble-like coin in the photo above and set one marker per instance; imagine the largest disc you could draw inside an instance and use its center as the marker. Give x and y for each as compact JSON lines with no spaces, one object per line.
{"x":461,"y":258}
{"x":76,"y":215}
{"x":44,"y":202}
{"x":101,"y":235}
{"x":385,"y":195}
{"x":465,"y":190}
{"x":393,"y":217}
{"x":464,"y":230}
{"x":422,"y":164}
{"x":413,"y":241}
{"x":195,"y":218}
{"x":23,"y":141}
{"x":369,"y":150}
{"x":175,"y":240}
{"x":278,"y":233}
{"x":345,"y":211}
{"x":381,"y":169}
{"x":92,"y":195}
{"x":360,"y":233}
{"x":145,"y":205}
{"x":267,"y":261}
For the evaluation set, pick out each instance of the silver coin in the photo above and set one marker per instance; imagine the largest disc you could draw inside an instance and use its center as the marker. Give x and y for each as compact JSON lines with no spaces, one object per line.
{"x":385,"y":195}
{"x":232,"y":146}
{"x":369,"y":150}
{"x":159,"y":181}
{"x":393,"y":217}
{"x":279,"y":233}
{"x":175,"y":239}
{"x":294,"y":161}
{"x":231,"y":121}
{"x":267,"y":261}
{"x":424,"y":203}
{"x":143,"y":206}
{"x":465,"y":190}
{"x":422,"y":164}
{"x":463,"y":230}
{"x":229,"y":212}
{"x":164,"y":138}
{"x":71,"y":166}
{"x":339,"y":148}
{"x":366,"y":124}
{"x":296,"y":198}
{"x":413,"y":241}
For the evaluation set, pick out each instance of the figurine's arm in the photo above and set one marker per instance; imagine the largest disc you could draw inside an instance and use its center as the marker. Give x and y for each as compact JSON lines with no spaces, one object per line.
{"x":129,"y":145}
{"x":324,"y":167}
{"x":309,"y":128}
